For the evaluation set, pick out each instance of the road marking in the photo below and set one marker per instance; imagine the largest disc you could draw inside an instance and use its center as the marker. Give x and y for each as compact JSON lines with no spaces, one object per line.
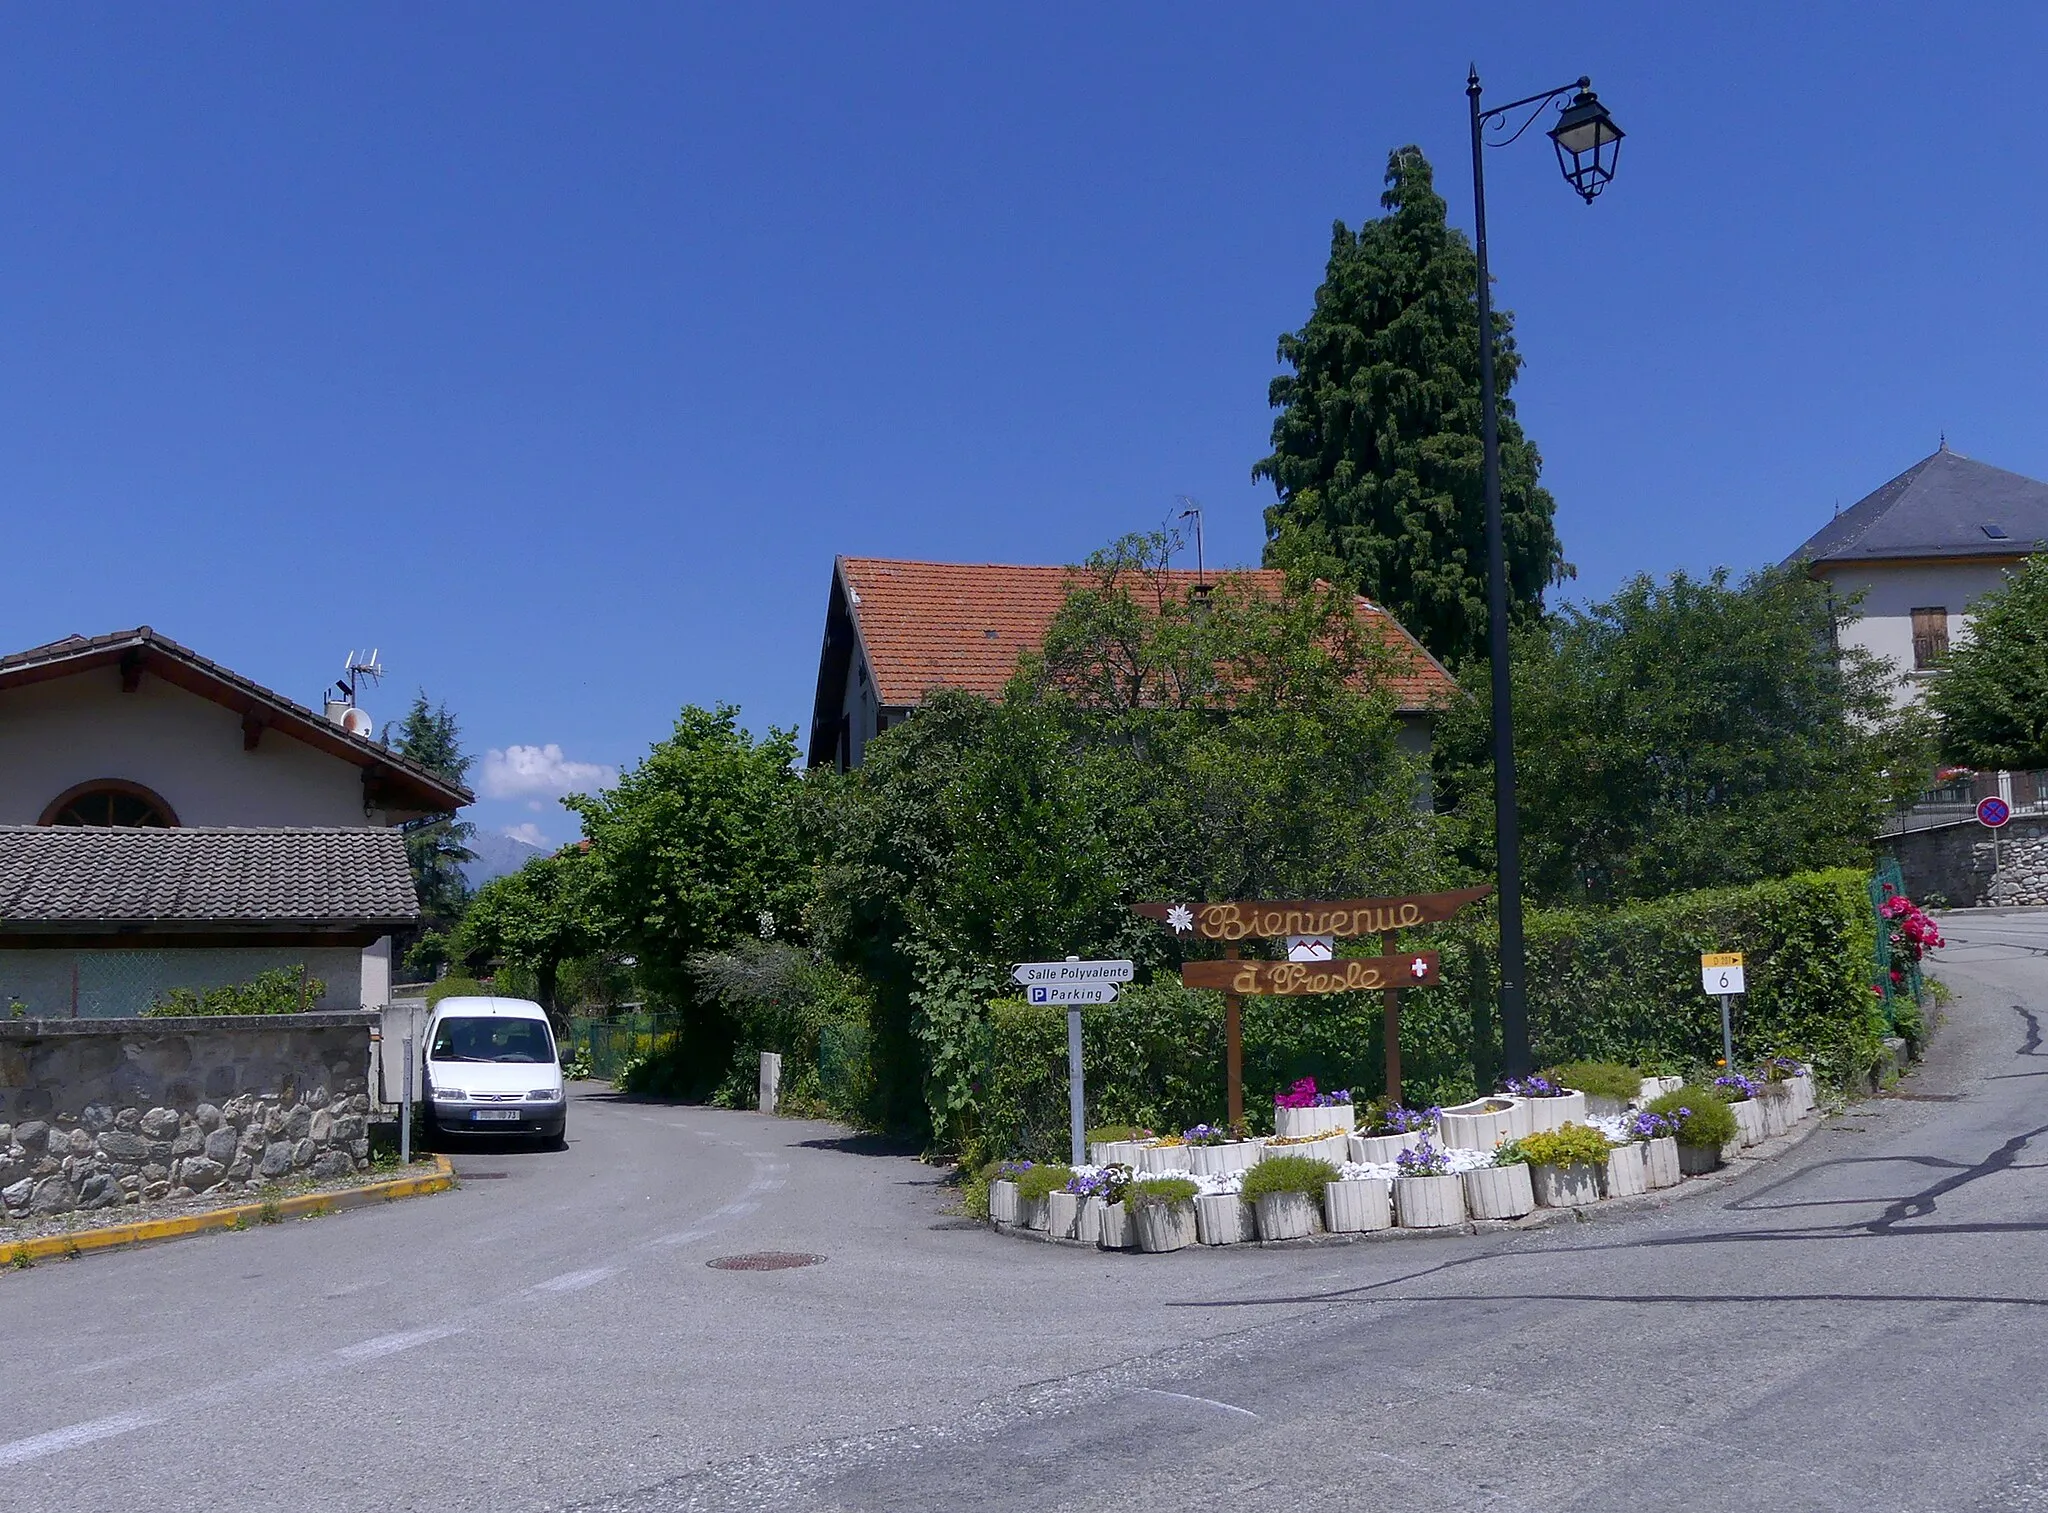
{"x":575,"y":1281}
{"x":38,"y":1445}
{"x":391,"y":1344}
{"x":1189,"y":1397}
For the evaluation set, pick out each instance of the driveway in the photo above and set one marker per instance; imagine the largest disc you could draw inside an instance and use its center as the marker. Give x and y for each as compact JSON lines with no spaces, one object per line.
{"x":1860,"y":1326}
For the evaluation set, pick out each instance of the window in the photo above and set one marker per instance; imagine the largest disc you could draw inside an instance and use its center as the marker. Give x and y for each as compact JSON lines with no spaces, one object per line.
{"x":1930,"y":637}
{"x":492,"y":1038}
{"x":110,"y":802}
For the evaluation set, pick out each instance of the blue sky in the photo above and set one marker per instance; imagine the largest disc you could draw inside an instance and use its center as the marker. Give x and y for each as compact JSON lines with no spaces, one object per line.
{"x":556,"y":350}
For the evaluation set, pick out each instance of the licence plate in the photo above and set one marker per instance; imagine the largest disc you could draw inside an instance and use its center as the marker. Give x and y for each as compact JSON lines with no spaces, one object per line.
{"x":496,"y":1113}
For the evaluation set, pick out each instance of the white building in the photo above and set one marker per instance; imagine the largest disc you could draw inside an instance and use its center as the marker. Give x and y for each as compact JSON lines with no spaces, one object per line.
{"x":1921,"y":550}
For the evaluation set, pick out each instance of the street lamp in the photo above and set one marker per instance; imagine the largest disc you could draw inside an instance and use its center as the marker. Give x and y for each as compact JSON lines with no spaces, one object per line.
{"x":1588,"y":145}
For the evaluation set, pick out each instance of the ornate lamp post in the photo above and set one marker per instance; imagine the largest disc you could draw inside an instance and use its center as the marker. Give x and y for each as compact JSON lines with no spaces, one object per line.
{"x":1588,"y":145}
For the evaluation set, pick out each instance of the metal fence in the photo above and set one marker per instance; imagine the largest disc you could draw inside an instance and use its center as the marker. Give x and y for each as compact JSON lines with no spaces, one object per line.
{"x":608,"y":1044}
{"x":1952,"y":802}
{"x":1886,"y":882}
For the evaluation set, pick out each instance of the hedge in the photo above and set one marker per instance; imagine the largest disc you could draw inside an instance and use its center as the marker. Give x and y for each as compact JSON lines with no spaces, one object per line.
{"x":1608,"y":985}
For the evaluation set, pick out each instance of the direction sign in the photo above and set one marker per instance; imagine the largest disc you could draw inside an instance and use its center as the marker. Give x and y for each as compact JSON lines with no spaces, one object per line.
{"x":1071,"y":992}
{"x":1993,"y":811}
{"x":1721,"y":972}
{"x":1073,"y":971}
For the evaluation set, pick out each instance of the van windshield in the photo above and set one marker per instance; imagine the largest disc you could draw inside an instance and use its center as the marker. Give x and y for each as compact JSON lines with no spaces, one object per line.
{"x":492,"y":1039}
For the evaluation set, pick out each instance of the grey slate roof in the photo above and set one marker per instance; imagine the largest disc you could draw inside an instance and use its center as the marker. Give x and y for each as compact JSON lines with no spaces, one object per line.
{"x":69,"y":876}
{"x":1939,"y":507}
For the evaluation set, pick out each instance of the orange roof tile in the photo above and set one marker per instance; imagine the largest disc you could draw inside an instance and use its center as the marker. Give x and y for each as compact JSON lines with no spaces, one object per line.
{"x":963,"y":625}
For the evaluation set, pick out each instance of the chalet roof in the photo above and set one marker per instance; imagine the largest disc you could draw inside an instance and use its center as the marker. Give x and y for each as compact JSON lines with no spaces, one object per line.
{"x":54,"y":877}
{"x":927,"y":625}
{"x":401,"y":785}
{"x":1946,"y":505}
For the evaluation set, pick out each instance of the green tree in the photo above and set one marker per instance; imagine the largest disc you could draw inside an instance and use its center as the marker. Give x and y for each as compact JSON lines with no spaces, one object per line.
{"x":437,"y":846}
{"x":1992,"y":696}
{"x":695,"y":848}
{"x":537,"y":918}
{"x":1376,"y":457}
{"x":1690,"y":734}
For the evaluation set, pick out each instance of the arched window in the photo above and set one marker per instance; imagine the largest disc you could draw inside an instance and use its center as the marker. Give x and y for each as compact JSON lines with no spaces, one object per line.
{"x":110,"y":801}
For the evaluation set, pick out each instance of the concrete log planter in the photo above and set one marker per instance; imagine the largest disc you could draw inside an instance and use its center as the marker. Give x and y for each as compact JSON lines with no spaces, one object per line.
{"x":1002,"y":1202}
{"x":1565,"y":1186}
{"x":1066,"y":1214}
{"x":1749,"y":1119}
{"x":1222,"y":1219}
{"x":1112,"y":1225}
{"x":1775,"y":1099}
{"x":1698,"y":1160}
{"x":1288,"y":1216}
{"x":1222,"y":1160}
{"x":1335,"y":1149}
{"x":1114,"y":1153}
{"x":1554,"y":1113}
{"x":1160,"y":1227}
{"x":1380,"y":1149}
{"x":1429,"y":1202}
{"x":1660,"y":1163}
{"x":1037,"y":1215}
{"x":1499,"y":1192}
{"x":1628,"y":1171}
{"x":1480,"y":1125}
{"x":1297,"y":1123}
{"x":1154,"y":1158}
{"x":1351,"y":1208}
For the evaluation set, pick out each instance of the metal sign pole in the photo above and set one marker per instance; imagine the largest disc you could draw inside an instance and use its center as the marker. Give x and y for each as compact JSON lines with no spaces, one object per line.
{"x":1727,"y":1034}
{"x":1077,"y":1119}
{"x":405,"y":1111}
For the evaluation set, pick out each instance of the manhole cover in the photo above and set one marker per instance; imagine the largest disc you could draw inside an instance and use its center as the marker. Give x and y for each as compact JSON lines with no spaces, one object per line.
{"x":763,"y":1260}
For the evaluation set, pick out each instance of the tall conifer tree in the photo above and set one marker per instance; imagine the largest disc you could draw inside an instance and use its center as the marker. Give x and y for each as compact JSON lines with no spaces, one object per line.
{"x":1376,"y":451}
{"x":439,"y":845}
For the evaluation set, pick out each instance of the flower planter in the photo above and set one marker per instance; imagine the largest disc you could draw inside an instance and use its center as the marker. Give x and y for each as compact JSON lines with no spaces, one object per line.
{"x":1112,"y":1225}
{"x":1628,"y":1171}
{"x":1429,"y":1202}
{"x":1034,"y":1215}
{"x":1222,"y":1219}
{"x":1803,"y":1094}
{"x":1698,"y":1160}
{"x":1294,"y":1122}
{"x":1565,"y":1186}
{"x":1775,"y":1099}
{"x":1288,"y":1216}
{"x":1731,"y":1150}
{"x":1335,"y":1149}
{"x":1499,"y":1192}
{"x":1382,"y":1149}
{"x":1162,"y":1227}
{"x":1202,"y":1160}
{"x":1555,"y":1113}
{"x":1236,"y":1156}
{"x":1002,"y":1202}
{"x":1339,"y":1118}
{"x":1660,"y":1163}
{"x":1063,"y":1216}
{"x":1153,"y":1159}
{"x":1749,"y":1121}
{"x":1477,"y":1126}
{"x":1114,"y":1153}
{"x":1354,"y":1207}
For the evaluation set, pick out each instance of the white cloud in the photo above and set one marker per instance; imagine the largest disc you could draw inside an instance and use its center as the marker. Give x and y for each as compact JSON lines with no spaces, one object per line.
{"x":522,"y":771}
{"x":530,"y":834}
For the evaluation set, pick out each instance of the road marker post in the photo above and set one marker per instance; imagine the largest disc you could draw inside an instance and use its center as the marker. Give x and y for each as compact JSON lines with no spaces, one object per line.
{"x":405,"y":1113}
{"x":1721,"y":975}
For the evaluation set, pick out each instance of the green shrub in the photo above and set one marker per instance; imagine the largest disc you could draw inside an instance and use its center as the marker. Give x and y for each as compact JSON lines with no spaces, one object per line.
{"x":1599,"y":1079}
{"x":1573,"y":1145}
{"x":1698,"y":1115}
{"x":455,"y":987}
{"x":1042,"y":1181}
{"x":1510,"y":1153}
{"x":1288,"y":1174}
{"x":1117,"y":1132}
{"x":1162,"y":1190}
{"x":281,"y":990}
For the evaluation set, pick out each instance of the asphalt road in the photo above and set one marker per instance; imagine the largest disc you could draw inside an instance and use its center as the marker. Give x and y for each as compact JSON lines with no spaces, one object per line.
{"x":1860,"y":1326}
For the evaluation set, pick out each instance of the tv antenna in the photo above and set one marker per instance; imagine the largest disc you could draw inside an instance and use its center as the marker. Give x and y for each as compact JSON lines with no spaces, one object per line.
{"x":1193,"y":507}
{"x":356,"y":668}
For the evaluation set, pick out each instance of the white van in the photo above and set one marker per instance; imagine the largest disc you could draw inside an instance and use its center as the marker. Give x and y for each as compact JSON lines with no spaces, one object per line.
{"x":492,"y":1068}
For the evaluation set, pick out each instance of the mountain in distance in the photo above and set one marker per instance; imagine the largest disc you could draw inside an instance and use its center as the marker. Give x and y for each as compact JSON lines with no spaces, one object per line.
{"x":496,"y":854}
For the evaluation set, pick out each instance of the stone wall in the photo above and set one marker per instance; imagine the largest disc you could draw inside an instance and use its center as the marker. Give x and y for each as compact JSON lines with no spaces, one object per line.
{"x":1954,"y":862}
{"x":98,"y":1113}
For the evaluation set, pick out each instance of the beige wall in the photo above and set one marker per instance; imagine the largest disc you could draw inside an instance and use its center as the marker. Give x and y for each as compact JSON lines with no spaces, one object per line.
{"x":57,"y":734}
{"x":1891,"y":594}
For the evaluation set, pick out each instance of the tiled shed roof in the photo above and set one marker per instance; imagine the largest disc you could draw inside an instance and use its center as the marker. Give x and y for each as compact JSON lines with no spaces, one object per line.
{"x":67,"y":876}
{"x":932,"y":625}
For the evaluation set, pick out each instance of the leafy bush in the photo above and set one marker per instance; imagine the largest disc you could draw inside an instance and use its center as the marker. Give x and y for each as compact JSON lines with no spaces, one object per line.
{"x":1162,"y":1190}
{"x":1599,"y":1079}
{"x":1573,"y":1145}
{"x":773,"y":996}
{"x":455,"y":987}
{"x":281,"y":990}
{"x":1042,"y":1182}
{"x":1287,"y":1174}
{"x":1510,"y":1153}
{"x":1697,"y":1115}
{"x":1104,"y":1134}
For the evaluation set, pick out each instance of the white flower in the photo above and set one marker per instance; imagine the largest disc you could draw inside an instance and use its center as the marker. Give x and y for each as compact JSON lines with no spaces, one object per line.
{"x":1181,"y":918}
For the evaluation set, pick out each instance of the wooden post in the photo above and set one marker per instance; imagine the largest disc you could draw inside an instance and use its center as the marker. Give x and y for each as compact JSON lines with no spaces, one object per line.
{"x":1392,"y":1033}
{"x":1233,"y":1052}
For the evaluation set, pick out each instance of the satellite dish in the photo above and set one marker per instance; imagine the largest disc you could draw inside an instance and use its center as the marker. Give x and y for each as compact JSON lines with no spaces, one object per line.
{"x":358,"y":722}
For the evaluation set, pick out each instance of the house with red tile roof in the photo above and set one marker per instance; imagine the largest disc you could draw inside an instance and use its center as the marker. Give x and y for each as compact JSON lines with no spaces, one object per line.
{"x":895,"y":631}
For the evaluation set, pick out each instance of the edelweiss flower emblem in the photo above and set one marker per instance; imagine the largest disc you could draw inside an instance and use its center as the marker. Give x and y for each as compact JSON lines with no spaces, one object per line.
{"x":1181,"y":918}
{"x":1419,"y":967}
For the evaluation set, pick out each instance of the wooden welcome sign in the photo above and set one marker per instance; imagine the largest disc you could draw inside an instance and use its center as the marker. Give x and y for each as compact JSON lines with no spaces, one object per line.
{"x":1311,"y":919}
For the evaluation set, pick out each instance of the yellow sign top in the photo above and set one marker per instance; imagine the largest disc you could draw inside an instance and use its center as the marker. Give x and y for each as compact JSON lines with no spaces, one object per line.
{"x":1710,"y":960}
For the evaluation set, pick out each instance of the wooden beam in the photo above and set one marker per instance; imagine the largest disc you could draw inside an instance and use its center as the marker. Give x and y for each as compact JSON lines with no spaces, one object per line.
{"x":1347,"y":974}
{"x":252,"y":729}
{"x":131,"y":669}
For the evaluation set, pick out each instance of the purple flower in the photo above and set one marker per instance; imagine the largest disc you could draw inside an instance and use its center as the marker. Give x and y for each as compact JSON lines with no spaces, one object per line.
{"x":1738,"y":1084}
{"x":1422,"y":1159}
{"x":1649,"y":1126}
{"x":1534,"y":1087}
